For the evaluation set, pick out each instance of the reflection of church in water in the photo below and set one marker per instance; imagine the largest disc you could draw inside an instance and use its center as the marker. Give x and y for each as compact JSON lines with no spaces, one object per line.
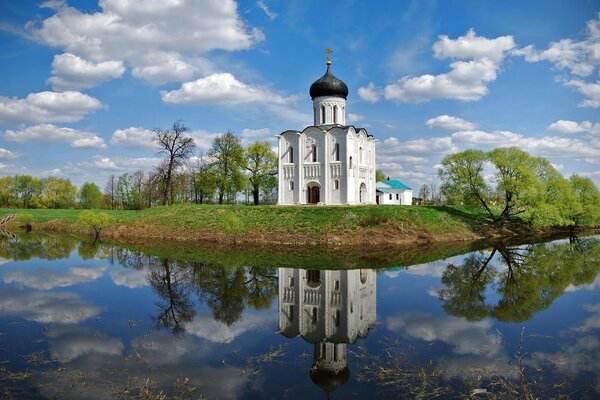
{"x":329,"y":309}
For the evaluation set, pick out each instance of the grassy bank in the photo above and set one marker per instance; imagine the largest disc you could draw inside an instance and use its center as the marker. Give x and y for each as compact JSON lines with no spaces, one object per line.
{"x":285,"y":225}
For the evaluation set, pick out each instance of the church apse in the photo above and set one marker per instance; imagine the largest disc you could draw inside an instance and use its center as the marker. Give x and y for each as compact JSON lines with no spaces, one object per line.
{"x":329,"y":309}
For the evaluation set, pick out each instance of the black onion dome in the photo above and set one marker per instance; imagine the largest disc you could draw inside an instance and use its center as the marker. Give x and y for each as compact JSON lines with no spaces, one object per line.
{"x":328,"y":85}
{"x":329,"y":381}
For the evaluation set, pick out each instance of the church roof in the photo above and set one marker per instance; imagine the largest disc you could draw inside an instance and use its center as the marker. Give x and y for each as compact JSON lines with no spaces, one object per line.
{"x":328,"y":127}
{"x":391,"y":184}
{"x":328,"y":85}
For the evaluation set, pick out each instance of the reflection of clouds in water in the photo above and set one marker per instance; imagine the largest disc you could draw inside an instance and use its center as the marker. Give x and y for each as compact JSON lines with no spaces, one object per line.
{"x":44,"y":278}
{"x":129,"y":277}
{"x":594,"y":285}
{"x":159,"y":357}
{"x":45,"y":307}
{"x":207,"y":328}
{"x":433,"y":291}
{"x":70,"y":342}
{"x":465,"y":337}
{"x":594,"y":320}
{"x":434,"y":268}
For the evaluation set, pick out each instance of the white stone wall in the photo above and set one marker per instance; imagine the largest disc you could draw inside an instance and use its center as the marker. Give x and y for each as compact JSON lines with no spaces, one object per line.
{"x":332,"y":108}
{"x":399,"y":197}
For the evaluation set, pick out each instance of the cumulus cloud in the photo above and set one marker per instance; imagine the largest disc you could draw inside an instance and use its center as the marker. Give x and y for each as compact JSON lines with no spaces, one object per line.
{"x":355,"y":117}
{"x":261,"y":4}
{"x":134,"y":138}
{"x":578,"y":57}
{"x":72,"y":72}
{"x":127,"y":33}
{"x":45,"y":306}
{"x":467,"y":80}
{"x":43,"y":107}
{"x":48,"y":133}
{"x":251,"y":135}
{"x":449,"y":123}
{"x":7,"y":154}
{"x":46,"y":279}
{"x":566,"y":126}
{"x":222,"y":89}
{"x":369,"y":93}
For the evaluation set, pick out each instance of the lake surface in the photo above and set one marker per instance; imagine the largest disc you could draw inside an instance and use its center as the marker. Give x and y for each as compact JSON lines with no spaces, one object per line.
{"x":83,"y":320}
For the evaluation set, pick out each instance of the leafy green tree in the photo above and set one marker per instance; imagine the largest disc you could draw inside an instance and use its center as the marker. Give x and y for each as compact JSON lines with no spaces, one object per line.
{"x":7,"y":196}
{"x":58,"y":193}
{"x":203,"y":179}
{"x":95,"y":221}
{"x":89,"y":196}
{"x":261,"y":164}
{"x":463,"y":179}
{"x":228,"y":160}
{"x":26,"y":189}
{"x":379,"y":175}
{"x":588,"y":199}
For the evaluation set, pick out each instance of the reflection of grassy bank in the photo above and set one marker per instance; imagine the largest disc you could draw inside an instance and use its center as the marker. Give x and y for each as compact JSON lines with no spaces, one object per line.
{"x":271,"y":225}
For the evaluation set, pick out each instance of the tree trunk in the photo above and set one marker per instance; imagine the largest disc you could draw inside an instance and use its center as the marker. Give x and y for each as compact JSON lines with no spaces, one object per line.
{"x":255,"y":194}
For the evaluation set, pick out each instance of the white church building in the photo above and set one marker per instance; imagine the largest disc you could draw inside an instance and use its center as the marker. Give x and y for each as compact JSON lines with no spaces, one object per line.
{"x":329,"y":162}
{"x":328,"y":309}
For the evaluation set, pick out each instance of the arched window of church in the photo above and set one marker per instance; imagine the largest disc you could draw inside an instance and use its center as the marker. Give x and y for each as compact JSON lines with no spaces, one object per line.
{"x":314,"y":153}
{"x":337,"y":152}
{"x":336,"y":184}
{"x":313,"y":278}
{"x":291,"y":185}
{"x":335,"y":114}
{"x":350,"y":163}
{"x":291,"y":154}
{"x":322,"y":114}
{"x":360,"y":155}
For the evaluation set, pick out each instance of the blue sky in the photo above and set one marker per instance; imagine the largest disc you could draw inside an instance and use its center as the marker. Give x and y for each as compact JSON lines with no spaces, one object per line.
{"x":83,"y":82}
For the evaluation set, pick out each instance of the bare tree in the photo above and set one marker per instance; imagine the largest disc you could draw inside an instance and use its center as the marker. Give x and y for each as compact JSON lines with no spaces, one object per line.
{"x":110,"y":190}
{"x":176,"y":148}
{"x":424,"y":193}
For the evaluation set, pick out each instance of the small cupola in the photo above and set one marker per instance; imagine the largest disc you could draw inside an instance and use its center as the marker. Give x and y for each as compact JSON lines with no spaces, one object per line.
{"x":329,"y":94}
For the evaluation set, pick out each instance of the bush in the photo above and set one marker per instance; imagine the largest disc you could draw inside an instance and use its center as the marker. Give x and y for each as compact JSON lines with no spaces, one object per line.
{"x":373,"y":218}
{"x":233,"y":225}
{"x":25,"y":219}
{"x":94,"y":220}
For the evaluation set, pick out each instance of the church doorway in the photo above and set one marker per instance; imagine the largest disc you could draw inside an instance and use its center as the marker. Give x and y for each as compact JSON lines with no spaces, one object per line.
{"x":363,"y":193}
{"x":313,"y":193}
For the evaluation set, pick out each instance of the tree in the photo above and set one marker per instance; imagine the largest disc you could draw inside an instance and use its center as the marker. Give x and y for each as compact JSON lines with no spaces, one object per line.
{"x":57,"y":193}
{"x":228,"y":159}
{"x":203,"y":179}
{"x":26,"y":189}
{"x":424,"y":193}
{"x":6,"y":193}
{"x":176,"y":148}
{"x":94,"y":220}
{"x":110,"y":191}
{"x":462,"y":177}
{"x":588,"y":199}
{"x":261,"y":164}
{"x":89,"y":196}
{"x":379,"y":175}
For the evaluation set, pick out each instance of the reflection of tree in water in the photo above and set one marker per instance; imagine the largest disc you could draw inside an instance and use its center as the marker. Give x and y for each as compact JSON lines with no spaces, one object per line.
{"x":26,"y":247}
{"x":526,"y":279}
{"x":171,"y":283}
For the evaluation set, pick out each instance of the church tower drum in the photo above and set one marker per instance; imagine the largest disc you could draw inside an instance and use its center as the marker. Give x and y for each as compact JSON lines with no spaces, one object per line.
{"x":329,"y":95}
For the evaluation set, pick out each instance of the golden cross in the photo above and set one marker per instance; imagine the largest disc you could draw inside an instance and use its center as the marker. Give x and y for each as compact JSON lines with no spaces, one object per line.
{"x":328,"y":51}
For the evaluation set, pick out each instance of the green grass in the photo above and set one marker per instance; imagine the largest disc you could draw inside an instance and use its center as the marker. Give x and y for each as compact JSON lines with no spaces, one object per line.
{"x":313,"y":221}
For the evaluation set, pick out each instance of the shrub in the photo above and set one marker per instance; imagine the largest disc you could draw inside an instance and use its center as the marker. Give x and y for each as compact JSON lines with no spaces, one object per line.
{"x":94,"y":220}
{"x":373,"y":218}
{"x":25,"y":219}
{"x":233,"y":225}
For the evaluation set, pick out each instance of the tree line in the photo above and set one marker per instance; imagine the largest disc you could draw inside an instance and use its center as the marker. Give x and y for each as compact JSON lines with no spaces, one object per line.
{"x":228,"y":172}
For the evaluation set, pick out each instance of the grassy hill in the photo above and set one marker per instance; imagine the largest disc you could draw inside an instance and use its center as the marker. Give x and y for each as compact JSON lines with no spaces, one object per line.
{"x":286,"y":225}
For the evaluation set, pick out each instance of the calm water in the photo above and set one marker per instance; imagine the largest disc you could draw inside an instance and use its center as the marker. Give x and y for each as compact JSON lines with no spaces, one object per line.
{"x":81,"y":320}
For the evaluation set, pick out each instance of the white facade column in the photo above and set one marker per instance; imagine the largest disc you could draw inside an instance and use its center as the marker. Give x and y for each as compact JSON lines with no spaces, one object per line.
{"x":280,"y":180}
{"x":300,"y":170}
{"x":326,"y":189}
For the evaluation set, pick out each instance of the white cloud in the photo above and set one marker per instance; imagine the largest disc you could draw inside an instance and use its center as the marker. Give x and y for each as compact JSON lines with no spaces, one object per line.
{"x":261,"y":4}
{"x":148,"y":36}
{"x":473,"y":46}
{"x":450,"y":123}
{"x":45,"y":306}
{"x":589,"y":89}
{"x":390,"y":149}
{"x":222,"y":89}
{"x":467,"y":80}
{"x":72,"y":72}
{"x":495,"y":138}
{"x":369,"y":93}
{"x":134,"y":138}
{"x":7,"y":154}
{"x":251,"y":135}
{"x":48,"y":133}
{"x":579,"y":57}
{"x":566,"y":126}
{"x":45,"y":107}
{"x":46,"y":279}
{"x":355,"y":117}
